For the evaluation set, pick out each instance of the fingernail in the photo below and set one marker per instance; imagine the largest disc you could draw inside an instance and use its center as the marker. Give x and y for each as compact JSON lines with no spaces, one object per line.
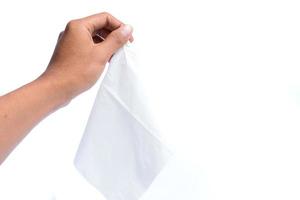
{"x":126,"y":30}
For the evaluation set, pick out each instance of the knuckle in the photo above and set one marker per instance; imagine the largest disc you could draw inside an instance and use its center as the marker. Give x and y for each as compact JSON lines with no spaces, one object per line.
{"x":106,"y":13}
{"x":108,"y":17}
{"x":73,"y":24}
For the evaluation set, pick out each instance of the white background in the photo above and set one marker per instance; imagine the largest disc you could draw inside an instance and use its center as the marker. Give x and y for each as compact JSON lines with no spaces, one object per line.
{"x":223,"y":78}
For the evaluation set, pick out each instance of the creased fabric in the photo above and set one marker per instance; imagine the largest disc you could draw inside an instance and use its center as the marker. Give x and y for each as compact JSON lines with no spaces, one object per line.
{"x":121,"y":151}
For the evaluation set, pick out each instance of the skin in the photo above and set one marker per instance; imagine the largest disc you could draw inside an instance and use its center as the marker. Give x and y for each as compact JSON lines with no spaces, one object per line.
{"x":77,"y":62}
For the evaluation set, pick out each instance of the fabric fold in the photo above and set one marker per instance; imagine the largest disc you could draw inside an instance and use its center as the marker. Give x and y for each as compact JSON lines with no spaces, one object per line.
{"x":121,"y":151}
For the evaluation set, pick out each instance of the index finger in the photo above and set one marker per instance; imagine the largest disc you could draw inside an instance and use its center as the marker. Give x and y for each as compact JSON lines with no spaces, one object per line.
{"x":102,"y":20}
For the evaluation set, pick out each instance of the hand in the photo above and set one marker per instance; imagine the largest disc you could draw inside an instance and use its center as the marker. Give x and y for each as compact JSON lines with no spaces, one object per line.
{"x":76,"y":64}
{"x":78,"y":61}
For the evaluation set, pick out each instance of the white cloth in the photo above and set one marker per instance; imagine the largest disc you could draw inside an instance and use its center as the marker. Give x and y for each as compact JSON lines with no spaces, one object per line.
{"x":121,"y":151}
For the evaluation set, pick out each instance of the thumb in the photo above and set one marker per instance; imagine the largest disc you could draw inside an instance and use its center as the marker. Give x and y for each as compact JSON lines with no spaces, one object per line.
{"x":115,"y":40}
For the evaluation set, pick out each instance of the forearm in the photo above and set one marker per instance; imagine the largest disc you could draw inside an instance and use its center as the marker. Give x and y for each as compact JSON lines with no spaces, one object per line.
{"x":25,"y":107}
{"x":76,"y":64}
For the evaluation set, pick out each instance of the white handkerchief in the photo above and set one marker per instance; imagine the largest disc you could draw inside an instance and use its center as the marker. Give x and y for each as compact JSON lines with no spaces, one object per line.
{"x":121,"y":151}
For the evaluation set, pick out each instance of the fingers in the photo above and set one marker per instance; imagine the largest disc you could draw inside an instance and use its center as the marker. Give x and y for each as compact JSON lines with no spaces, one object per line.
{"x":108,"y":33}
{"x":102,"y":20}
{"x":100,"y":35}
{"x":115,"y":40}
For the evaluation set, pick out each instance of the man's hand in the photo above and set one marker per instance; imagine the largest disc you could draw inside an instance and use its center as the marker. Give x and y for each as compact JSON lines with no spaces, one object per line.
{"x":78,"y":61}
{"x":75,"y":66}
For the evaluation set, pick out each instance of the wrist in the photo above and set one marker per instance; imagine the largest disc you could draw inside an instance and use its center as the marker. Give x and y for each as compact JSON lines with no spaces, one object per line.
{"x":56,"y":89}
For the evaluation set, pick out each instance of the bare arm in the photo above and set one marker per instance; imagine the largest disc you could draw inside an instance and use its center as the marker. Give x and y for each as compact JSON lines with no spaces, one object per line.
{"x":75,"y":66}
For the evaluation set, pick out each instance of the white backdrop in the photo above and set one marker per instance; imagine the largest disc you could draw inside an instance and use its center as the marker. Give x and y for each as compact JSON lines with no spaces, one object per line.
{"x":223,"y":78}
